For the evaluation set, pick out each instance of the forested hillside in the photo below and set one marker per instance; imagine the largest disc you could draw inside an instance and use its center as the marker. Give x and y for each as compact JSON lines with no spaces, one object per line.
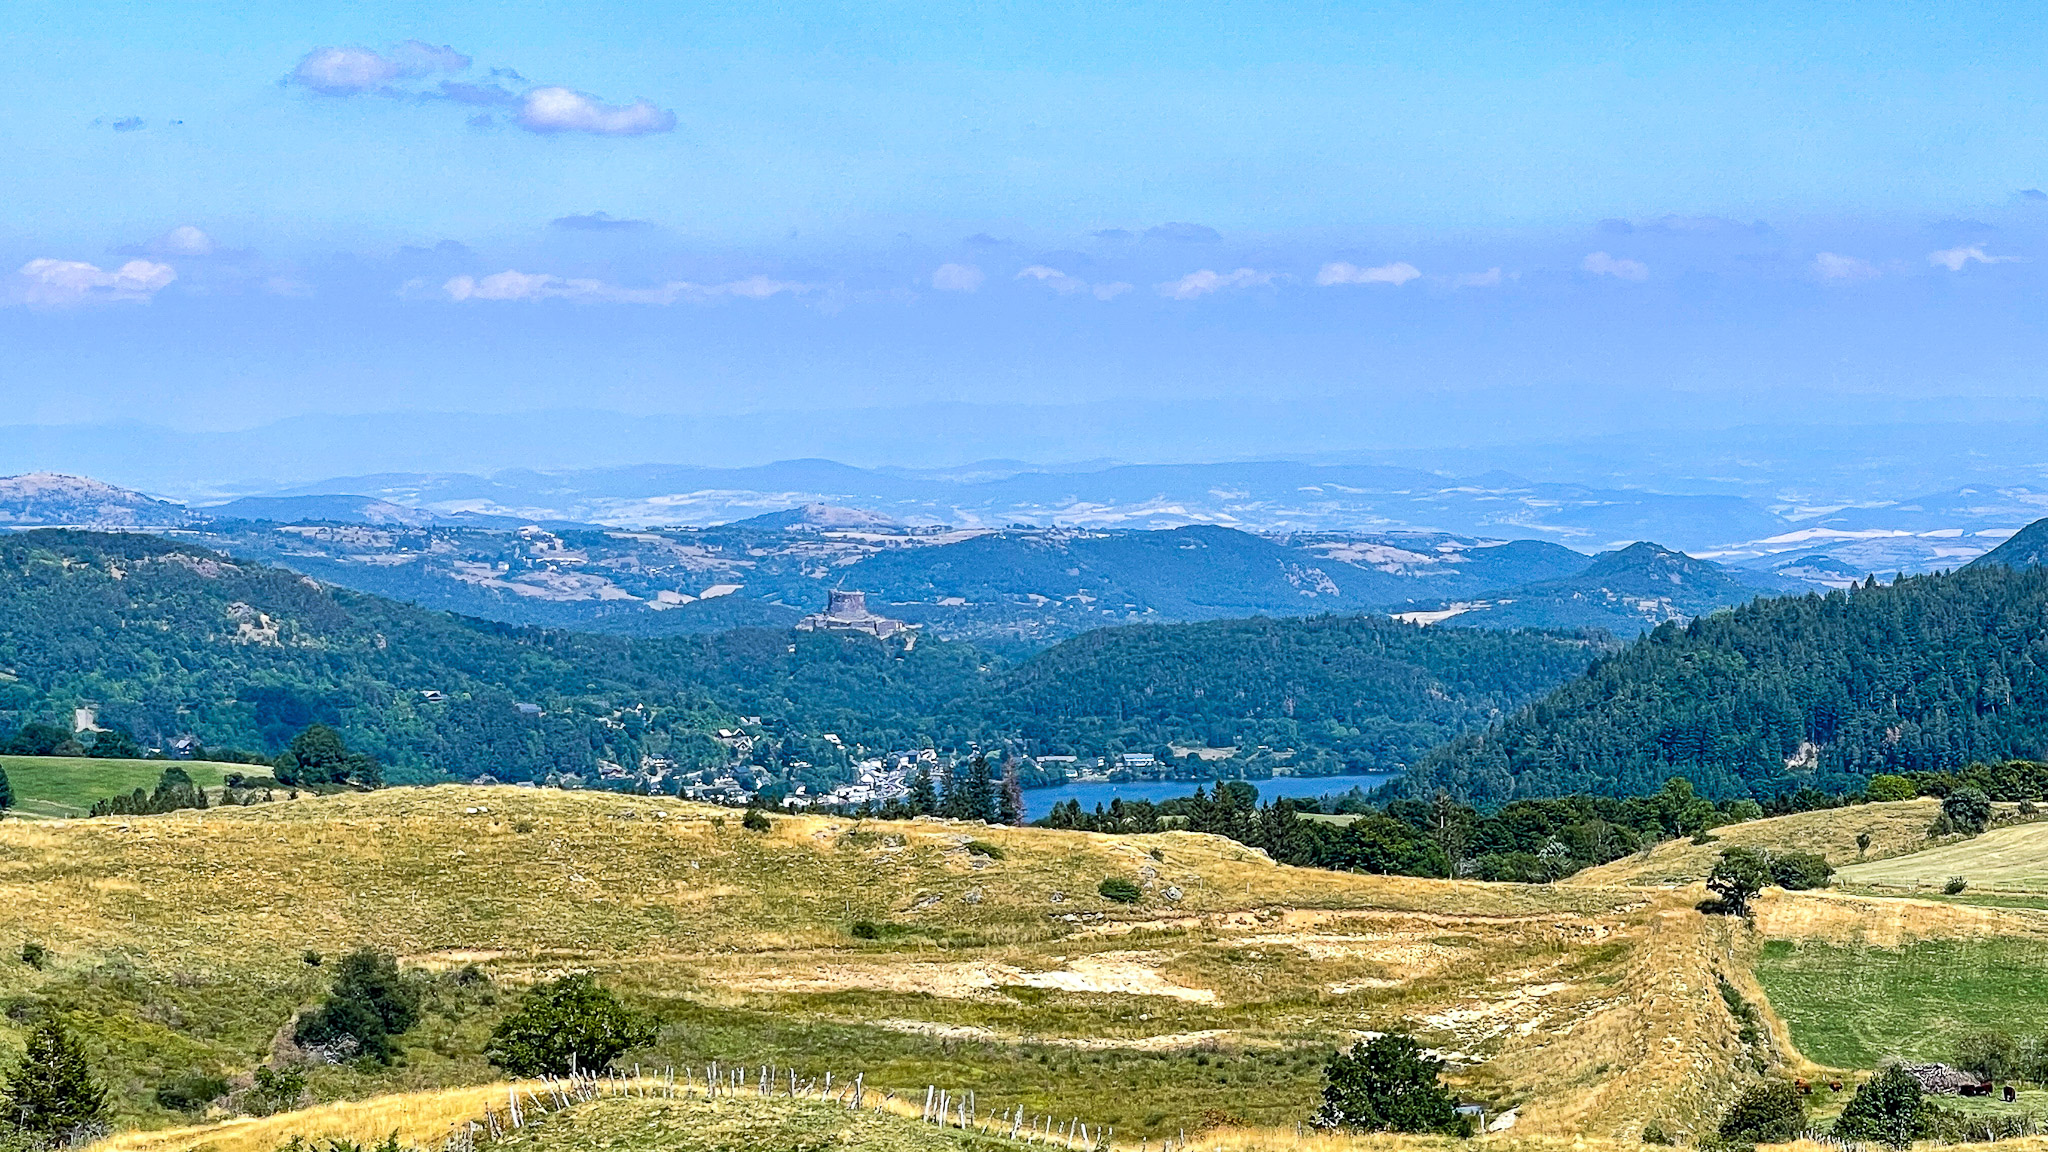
{"x":1929,"y":673}
{"x":167,"y":640}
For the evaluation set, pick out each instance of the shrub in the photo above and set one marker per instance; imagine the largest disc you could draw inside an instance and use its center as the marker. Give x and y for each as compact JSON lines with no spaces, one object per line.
{"x":369,"y":1005}
{"x":1654,"y":1133}
{"x":1120,"y":889}
{"x":565,"y":1023}
{"x":1386,"y":1084}
{"x":190,"y":1091}
{"x":866,"y":930}
{"x":1887,"y":1109}
{"x":1737,"y":877}
{"x":1991,"y":1055}
{"x":1968,"y":810}
{"x":756,"y":821}
{"x":277,"y":1090}
{"x":1955,"y":886}
{"x":51,"y":1095}
{"x":1886,"y":787}
{"x":34,"y":954}
{"x":1769,"y":1113}
{"x":1798,"y":871}
{"x":984,"y":848}
{"x":1862,"y":843}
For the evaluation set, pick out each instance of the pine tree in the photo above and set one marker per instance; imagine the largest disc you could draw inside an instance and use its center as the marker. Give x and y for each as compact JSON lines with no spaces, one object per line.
{"x":923,"y":798}
{"x":52,"y":1094}
{"x":1010,"y":805}
{"x":6,"y":792}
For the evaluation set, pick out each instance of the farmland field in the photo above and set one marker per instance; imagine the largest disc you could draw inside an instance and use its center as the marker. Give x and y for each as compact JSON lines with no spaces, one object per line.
{"x":2009,"y":860}
{"x":53,"y":787}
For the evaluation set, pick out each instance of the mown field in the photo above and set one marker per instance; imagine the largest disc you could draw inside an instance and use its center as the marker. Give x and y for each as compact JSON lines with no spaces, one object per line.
{"x":179,"y":944}
{"x":2010,"y":860}
{"x":54,"y":787}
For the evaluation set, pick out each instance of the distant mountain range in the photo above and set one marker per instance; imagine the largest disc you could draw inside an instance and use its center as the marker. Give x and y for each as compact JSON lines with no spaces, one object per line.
{"x":1012,"y":589}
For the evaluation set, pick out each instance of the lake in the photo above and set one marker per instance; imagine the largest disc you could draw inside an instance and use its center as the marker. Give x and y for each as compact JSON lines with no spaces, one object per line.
{"x":1039,"y":801}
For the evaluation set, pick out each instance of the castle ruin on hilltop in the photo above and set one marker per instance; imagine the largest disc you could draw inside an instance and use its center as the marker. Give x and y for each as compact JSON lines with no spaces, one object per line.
{"x":848,"y":612}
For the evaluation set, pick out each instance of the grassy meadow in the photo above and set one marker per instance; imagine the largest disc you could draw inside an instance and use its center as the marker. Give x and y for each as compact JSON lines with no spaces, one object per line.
{"x":2012,"y":861}
{"x":1855,"y":1005}
{"x":179,"y":943}
{"x":1894,"y":828}
{"x":57,"y":787}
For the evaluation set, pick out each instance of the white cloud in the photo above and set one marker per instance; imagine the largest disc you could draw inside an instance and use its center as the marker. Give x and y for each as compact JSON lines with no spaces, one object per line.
{"x":47,"y":283}
{"x":1834,"y":266}
{"x":554,"y":109}
{"x":1601,"y":264}
{"x":515,"y":285}
{"x":184,"y":240}
{"x":1066,"y":285}
{"x":288,"y":286}
{"x":1206,"y":281}
{"x":1396,"y":274}
{"x":1953,"y":259}
{"x":1487,"y":279}
{"x":956,"y":278}
{"x":340,"y":71}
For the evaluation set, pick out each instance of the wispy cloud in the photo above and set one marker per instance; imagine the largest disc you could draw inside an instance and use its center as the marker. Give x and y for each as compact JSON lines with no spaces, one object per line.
{"x":1487,"y":279}
{"x":1834,"y":266}
{"x":1337,"y":273}
{"x":956,"y":278}
{"x":531,"y":286}
{"x":351,"y":71}
{"x":184,"y":240}
{"x":554,"y":109}
{"x":1601,"y":264}
{"x":1067,"y":285}
{"x":599,"y":222}
{"x":1204,"y":282}
{"x":403,"y":71}
{"x":48,"y":283}
{"x":1954,"y":259}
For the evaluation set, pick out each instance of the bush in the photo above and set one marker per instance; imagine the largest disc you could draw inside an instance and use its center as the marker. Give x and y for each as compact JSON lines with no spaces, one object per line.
{"x":1968,"y":810}
{"x":1654,"y":1133}
{"x":756,"y":821}
{"x":565,"y":1023}
{"x":1991,"y":1055}
{"x":1955,"y":886}
{"x":1386,"y":1084}
{"x":866,"y":930}
{"x":1120,"y":889}
{"x":984,"y":848}
{"x":277,"y":1090}
{"x":1886,"y":787}
{"x":1769,"y":1113}
{"x":34,"y":954}
{"x":1737,"y":877}
{"x":51,"y":1095}
{"x":1887,"y":1109}
{"x":369,"y":1005}
{"x":1798,"y":871}
{"x":190,"y":1091}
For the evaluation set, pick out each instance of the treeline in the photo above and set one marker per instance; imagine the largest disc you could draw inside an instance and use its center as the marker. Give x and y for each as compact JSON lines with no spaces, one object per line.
{"x":1925,"y":675}
{"x":1531,"y":841}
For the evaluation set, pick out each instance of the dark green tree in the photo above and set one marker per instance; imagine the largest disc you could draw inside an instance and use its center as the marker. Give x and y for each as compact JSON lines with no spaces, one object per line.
{"x":6,"y":792}
{"x":114,"y":744}
{"x":1386,"y":1084}
{"x":1768,"y":1113}
{"x":369,"y":1005}
{"x":1968,"y":810}
{"x":1737,"y":877}
{"x":1009,"y":800}
{"x":318,"y":755}
{"x":1798,"y":871}
{"x":51,"y":1094}
{"x":923,"y":798}
{"x":1991,"y":1055}
{"x":570,"y":1022}
{"x":1888,"y":1109}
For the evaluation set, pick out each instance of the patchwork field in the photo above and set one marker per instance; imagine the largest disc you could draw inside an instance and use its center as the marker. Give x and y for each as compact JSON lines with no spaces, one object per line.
{"x":179,"y":943}
{"x":2012,"y":860}
{"x":56,"y":787}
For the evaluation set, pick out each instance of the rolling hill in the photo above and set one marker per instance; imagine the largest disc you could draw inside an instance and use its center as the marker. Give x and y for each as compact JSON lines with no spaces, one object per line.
{"x":1627,"y":591}
{"x":168,"y":639}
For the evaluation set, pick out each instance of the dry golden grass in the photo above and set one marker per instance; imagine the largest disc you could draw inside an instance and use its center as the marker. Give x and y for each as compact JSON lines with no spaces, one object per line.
{"x":1593,"y":1009}
{"x":419,"y":1119}
{"x":1895,"y":828}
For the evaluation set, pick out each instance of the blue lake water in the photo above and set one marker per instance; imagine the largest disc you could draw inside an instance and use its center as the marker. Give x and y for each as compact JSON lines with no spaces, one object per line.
{"x":1039,"y":801}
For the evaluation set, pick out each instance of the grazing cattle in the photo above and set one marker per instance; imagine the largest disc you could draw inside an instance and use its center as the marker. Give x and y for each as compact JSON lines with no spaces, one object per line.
{"x":2011,"y":1094}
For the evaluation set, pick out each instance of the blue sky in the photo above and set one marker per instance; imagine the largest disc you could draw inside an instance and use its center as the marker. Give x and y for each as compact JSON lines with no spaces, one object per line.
{"x":1535,"y":218}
